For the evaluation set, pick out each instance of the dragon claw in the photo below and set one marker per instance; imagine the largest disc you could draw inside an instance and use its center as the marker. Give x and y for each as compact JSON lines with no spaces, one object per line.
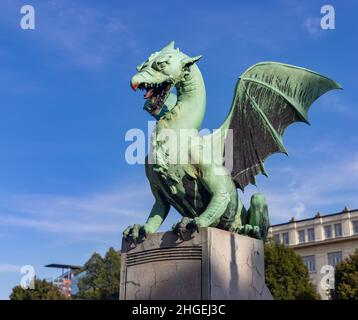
{"x":181,"y":227}
{"x":192,"y":225}
{"x":250,"y":230}
{"x":181,"y":233}
{"x":135,"y":233}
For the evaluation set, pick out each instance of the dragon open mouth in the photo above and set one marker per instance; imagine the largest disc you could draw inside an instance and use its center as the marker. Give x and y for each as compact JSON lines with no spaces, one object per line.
{"x":156,"y":93}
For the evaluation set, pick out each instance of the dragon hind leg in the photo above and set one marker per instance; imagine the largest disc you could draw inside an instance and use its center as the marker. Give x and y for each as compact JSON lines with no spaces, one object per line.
{"x":256,"y":219}
{"x":240,"y":217}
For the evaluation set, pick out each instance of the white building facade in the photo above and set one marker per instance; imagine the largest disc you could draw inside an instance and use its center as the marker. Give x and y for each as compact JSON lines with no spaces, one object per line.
{"x":322,"y":241}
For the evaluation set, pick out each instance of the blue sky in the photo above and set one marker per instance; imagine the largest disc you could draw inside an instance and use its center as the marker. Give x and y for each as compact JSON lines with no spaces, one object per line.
{"x":65,"y":106}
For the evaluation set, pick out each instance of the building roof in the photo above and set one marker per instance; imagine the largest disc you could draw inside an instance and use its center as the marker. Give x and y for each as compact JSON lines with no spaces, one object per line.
{"x":318,"y":215}
{"x":63,"y":266}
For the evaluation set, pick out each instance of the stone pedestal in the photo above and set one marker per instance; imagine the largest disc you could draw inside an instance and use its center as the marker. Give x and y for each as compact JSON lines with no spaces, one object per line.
{"x":211,"y":264}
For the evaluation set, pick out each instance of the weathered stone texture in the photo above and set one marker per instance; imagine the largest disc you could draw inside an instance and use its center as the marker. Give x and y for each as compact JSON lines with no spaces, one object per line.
{"x":211,"y":264}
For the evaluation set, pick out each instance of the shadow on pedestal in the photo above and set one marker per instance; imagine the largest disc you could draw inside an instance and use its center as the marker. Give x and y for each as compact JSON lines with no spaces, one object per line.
{"x":211,"y":264}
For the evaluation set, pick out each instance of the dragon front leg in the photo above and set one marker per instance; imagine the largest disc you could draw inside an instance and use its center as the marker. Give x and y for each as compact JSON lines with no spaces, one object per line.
{"x":220,"y":185}
{"x":156,"y":217}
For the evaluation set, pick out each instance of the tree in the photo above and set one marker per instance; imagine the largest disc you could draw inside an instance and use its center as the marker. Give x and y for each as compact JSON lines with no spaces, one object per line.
{"x":101,"y":278}
{"x":43,"y":291}
{"x":112,"y":262}
{"x":91,"y":284}
{"x":346,"y":279}
{"x":286,"y":275}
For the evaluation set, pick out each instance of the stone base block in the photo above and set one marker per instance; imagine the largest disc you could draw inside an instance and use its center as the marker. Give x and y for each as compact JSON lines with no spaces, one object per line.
{"x":211,"y":264}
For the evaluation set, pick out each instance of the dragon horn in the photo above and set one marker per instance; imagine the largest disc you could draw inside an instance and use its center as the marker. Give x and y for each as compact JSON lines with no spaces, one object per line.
{"x":169,"y":46}
{"x":188,"y":61}
{"x":197,"y":58}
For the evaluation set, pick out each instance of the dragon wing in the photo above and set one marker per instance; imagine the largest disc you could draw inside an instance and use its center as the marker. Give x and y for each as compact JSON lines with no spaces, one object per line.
{"x":268,"y":97}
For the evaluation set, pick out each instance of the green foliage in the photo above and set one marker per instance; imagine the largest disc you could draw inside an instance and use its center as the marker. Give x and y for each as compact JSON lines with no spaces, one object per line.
{"x":112,"y":262}
{"x":286,"y":275}
{"x":101,"y":279}
{"x":90,"y":286}
{"x":346,"y":279}
{"x":43,"y":291}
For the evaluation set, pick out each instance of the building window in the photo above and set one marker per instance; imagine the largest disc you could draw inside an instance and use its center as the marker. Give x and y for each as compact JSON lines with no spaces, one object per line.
{"x":285,"y":238}
{"x":327,"y":232}
{"x":310,"y":263}
{"x":355,"y":227}
{"x":301,"y":236}
{"x":334,"y":258}
{"x":338,"y":230}
{"x":310,"y":234}
{"x":276,"y":238}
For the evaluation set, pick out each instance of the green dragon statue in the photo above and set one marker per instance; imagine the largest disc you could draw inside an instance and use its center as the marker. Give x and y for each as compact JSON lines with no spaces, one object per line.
{"x":268,"y":97}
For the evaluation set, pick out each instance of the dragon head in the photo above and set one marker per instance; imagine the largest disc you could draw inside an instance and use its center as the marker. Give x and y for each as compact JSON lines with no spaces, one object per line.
{"x":159,"y":74}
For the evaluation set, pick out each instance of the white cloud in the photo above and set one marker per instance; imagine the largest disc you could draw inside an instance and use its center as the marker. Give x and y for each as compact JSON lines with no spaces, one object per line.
{"x":6,"y":268}
{"x":80,"y":217}
{"x":335,"y":104}
{"x":81,"y":35}
{"x":300,"y":192}
{"x":312,"y":25}
{"x":325,"y":186}
{"x":87,"y":36}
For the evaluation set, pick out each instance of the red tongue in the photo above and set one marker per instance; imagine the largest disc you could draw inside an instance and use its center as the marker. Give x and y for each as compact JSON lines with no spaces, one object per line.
{"x":148,"y":94}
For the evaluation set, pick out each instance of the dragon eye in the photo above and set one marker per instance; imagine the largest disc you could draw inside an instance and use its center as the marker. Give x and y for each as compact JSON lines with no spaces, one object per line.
{"x":160,"y":65}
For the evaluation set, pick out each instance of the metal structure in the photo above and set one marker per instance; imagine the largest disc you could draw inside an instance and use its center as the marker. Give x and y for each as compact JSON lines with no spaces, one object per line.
{"x":64,"y":281}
